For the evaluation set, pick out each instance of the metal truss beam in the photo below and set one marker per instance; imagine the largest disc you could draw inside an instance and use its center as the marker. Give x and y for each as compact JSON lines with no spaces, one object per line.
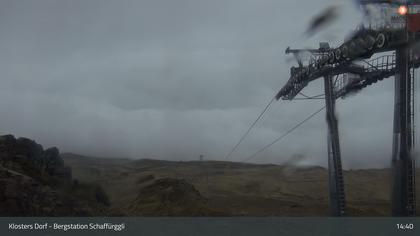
{"x":336,"y":61}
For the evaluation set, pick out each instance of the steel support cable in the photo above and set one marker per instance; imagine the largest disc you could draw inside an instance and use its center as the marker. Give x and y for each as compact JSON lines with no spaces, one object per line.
{"x":250,"y":128}
{"x":319,"y":95}
{"x":336,"y":81}
{"x":283,"y":136}
{"x":309,"y":97}
{"x":298,"y":99}
{"x":304,"y":95}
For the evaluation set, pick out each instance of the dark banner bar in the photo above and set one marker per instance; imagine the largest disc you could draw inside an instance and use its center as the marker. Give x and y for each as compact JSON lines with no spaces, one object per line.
{"x":210,"y":226}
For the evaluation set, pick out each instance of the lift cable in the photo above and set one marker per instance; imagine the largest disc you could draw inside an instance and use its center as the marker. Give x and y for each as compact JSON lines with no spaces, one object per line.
{"x":283,"y":136}
{"x":306,"y":97}
{"x":250,"y":128}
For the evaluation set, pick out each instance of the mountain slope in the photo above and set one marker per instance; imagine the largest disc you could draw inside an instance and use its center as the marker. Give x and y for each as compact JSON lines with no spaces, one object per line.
{"x":240,"y":189}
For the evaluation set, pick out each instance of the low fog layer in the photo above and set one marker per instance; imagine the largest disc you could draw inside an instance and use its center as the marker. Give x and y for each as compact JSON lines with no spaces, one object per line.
{"x":175,"y":79}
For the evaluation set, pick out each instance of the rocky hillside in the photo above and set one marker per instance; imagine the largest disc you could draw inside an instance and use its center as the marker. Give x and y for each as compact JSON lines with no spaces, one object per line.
{"x":38,"y":182}
{"x":170,"y":197}
{"x":141,"y":187}
{"x":35,"y":182}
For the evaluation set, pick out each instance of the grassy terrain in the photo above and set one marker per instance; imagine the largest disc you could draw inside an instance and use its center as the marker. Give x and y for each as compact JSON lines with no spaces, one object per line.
{"x":240,"y":189}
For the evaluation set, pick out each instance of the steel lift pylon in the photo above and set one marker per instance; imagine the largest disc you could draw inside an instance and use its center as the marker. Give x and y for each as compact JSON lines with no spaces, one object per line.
{"x":350,"y":63}
{"x":335,"y":175}
{"x":403,"y":163}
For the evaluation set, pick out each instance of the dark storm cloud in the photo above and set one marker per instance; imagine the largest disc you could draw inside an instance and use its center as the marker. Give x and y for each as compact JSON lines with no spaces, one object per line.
{"x":174,"y":79}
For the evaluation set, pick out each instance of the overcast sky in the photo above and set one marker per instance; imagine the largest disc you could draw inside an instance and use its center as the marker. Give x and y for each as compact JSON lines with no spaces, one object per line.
{"x":175,"y":79}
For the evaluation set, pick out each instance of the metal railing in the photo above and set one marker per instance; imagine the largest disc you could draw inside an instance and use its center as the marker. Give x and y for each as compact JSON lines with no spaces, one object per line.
{"x":382,"y":63}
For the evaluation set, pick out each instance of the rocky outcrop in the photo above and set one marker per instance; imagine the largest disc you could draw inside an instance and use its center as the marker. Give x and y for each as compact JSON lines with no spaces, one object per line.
{"x":170,"y":197}
{"x":22,"y":153}
{"x":35,"y":182}
{"x":54,"y":165}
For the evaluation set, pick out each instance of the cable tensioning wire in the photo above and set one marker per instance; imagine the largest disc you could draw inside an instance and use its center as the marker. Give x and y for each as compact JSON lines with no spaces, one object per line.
{"x":250,"y":128}
{"x":283,"y":136}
